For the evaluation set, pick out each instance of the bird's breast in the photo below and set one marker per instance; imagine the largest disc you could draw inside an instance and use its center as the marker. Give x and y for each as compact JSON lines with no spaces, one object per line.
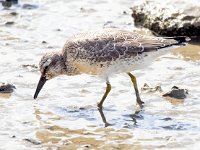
{"x":89,"y":68}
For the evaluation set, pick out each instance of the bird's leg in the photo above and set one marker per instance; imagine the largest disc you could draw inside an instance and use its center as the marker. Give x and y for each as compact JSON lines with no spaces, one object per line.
{"x":108,"y":88}
{"x":134,"y":81}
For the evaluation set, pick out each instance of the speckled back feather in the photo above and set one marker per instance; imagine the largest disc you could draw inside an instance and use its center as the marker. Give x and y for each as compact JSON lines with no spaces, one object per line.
{"x":112,"y":44}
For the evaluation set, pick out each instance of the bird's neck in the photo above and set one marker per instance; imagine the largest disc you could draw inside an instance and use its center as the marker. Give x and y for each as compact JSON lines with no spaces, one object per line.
{"x":67,"y":67}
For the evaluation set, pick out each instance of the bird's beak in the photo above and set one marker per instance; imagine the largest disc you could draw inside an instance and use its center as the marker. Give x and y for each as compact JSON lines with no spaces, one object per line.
{"x":39,"y":86}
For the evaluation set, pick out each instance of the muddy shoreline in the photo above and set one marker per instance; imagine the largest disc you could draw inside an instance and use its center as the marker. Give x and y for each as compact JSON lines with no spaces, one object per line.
{"x":65,"y":116}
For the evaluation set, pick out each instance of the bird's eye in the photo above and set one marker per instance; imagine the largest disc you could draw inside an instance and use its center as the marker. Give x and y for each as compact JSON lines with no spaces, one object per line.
{"x":45,"y":68}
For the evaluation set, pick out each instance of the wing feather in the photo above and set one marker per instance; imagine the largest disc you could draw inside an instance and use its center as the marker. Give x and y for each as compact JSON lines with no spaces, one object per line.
{"x":113,"y":44}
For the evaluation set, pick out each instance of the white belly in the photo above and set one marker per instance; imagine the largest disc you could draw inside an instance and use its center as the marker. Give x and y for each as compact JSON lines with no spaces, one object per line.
{"x":139,"y":62}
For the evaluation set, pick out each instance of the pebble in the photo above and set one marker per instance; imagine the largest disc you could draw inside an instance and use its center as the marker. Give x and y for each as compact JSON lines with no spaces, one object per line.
{"x":176,"y":92}
{"x":6,"y":88}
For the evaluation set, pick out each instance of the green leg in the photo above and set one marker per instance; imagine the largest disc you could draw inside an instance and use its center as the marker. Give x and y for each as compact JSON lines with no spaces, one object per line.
{"x":108,"y":88}
{"x":134,"y":81}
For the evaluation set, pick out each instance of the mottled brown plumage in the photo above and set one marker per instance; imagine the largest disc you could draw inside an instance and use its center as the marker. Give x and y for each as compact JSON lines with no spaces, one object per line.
{"x":110,"y":44}
{"x":108,"y":47}
{"x":104,"y":53}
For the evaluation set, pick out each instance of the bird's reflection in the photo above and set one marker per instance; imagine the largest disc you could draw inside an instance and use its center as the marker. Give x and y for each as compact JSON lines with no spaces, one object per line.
{"x":136,"y":115}
{"x":106,"y":124}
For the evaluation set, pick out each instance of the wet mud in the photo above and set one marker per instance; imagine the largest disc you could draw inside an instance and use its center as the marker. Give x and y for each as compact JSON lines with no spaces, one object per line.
{"x":65,"y":115}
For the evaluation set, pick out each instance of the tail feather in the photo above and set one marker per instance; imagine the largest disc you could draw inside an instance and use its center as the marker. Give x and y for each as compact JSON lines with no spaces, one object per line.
{"x":153,"y":45}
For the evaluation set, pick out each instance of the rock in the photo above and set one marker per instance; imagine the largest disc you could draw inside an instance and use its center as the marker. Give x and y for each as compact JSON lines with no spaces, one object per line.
{"x":6,"y":4}
{"x":13,"y":136}
{"x":169,"y":18}
{"x":147,"y":89}
{"x":9,"y":23}
{"x":44,"y":42}
{"x":14,"y":13}
{"x":9,"y":3}
{"x":34,"y":142}
{"x":87,"y":10}
{"x":6,"y":88}
{"x":32,"y":67}
{"x":166,"y":119}
{"x":86,"y":146}
{"x":176,"y":93}
{"x":29,"y":6}
{"x":13,"y":1}
{"x":58,"y":29}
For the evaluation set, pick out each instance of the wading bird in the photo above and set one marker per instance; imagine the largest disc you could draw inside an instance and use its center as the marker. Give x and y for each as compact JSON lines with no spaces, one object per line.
{"x":103,"y":53}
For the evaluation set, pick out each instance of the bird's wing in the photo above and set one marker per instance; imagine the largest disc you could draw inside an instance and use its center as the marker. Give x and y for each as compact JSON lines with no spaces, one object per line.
{"x":108,"y":50}
{"x":114,"y":44}
{"x":106,"y":47}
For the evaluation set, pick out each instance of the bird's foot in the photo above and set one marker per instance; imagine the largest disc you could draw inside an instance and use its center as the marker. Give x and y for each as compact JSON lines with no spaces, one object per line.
{"x":140,"y":103}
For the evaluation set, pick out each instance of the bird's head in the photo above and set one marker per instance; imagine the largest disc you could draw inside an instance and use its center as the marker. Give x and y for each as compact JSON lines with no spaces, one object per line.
{"x":51,"y":65}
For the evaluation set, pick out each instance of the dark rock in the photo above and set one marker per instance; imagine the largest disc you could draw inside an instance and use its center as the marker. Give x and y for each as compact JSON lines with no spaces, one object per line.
{"x":174,"y":127}
{"x":176,"y":93}
{"x":9,"y":23}
{"x":44,"y":42}
{"x":124,"y":13}
{"x":169,"y":18}
{"x":167,"y":119}
{"x":12,"y":1}
{"x":6,"y":88}
{"x":29,"y":6}
{"x":14,"y":13}
{"x":87,"y":146}
{"x":32,"y":141}
{"x":8,"y":3}
{"x":58,"y":29}
{"x":31,"y":66}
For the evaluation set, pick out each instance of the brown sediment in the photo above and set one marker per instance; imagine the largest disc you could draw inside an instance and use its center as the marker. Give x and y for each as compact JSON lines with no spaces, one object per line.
{"x":189,"y":52}
{"x":5,"y":95}
{"x":65,"y":138}
{"x":91,"y":137}
{"x":8,"y":38}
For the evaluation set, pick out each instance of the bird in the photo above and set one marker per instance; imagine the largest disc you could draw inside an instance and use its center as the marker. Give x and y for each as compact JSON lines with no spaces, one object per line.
{"x":103,"y":53}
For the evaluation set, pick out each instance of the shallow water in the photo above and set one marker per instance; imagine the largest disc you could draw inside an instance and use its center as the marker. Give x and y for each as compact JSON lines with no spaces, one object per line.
{"x":65,"y":115}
